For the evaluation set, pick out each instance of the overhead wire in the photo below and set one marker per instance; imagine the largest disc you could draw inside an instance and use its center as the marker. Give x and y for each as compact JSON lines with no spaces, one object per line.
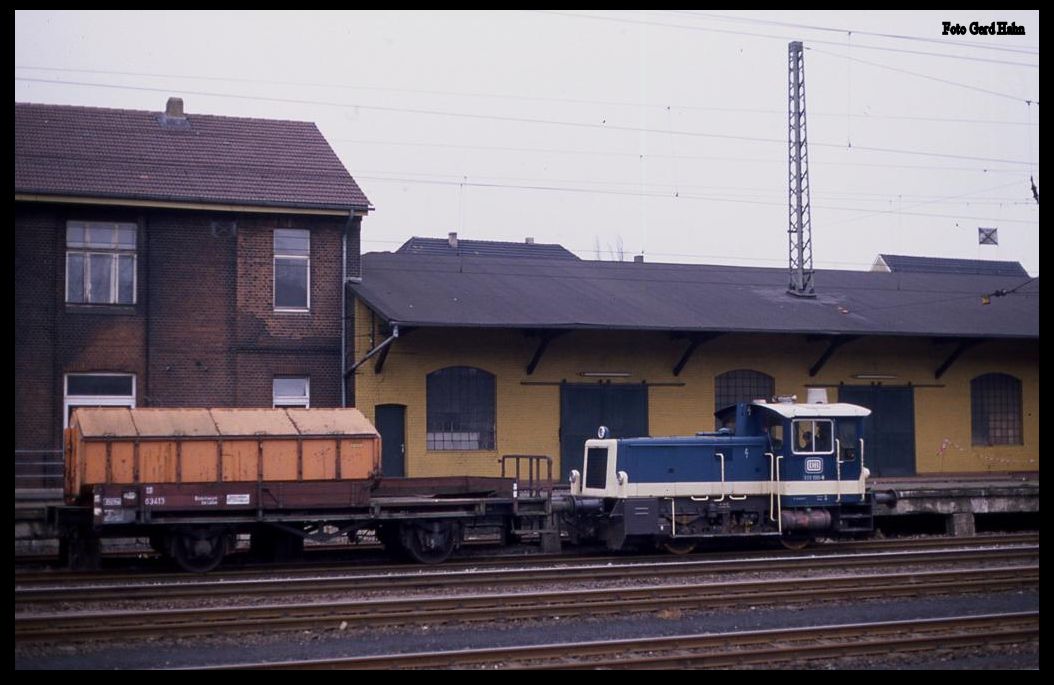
{"x":668,"y":131}
{"x":897,"y":36}
{"x":526,"y":120}
{"x":512,"y":96}
{"x":686,"y":196}
{"x":711,"y":29}
{"x":919,"y":75}
{"x":738,"y":158}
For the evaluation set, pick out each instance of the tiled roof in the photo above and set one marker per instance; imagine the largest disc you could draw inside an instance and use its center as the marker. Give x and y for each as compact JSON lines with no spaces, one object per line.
{"x":489,"y":292}
{"x":127,"y":154}
{"x":484,"y":248}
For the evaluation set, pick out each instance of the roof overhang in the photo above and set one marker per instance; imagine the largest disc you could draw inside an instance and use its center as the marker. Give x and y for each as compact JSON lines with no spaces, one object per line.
{"x":201,"y":206}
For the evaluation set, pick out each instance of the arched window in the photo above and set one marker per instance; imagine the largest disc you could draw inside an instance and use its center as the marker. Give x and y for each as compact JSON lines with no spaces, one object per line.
{"x":461,"y":409}
{"x":742,"y":385}
{"x":995,"y":410}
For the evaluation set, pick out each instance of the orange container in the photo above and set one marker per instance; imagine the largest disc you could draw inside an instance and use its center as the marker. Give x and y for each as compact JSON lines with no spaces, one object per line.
{"x":115,"y":445}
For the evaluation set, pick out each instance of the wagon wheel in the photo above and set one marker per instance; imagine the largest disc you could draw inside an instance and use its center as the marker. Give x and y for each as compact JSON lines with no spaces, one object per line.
{"x":680,"y":547}
{"x":389,"y":536}
{"x":430,"y":542}
{"x":199,"y":551}
{"x":796,"y":542}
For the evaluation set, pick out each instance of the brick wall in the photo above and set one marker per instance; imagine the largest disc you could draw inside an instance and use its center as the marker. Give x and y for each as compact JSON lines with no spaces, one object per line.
{"x":36,"y":262}
{"x":203,"y":331}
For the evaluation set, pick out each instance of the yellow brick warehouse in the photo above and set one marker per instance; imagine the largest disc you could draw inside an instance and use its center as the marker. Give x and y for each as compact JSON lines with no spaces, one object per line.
{"x":528,"y":406}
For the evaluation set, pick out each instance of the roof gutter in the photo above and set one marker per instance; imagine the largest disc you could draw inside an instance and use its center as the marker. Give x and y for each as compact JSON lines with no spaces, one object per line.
{"x":167,"y":204}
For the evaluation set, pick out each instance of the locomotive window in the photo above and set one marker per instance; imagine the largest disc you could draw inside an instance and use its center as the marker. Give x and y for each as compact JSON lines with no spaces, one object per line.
{"x":775,"y":433}
{"x":597,"y":467}
{"x":848,"y":438}
{"x":813,"y":436}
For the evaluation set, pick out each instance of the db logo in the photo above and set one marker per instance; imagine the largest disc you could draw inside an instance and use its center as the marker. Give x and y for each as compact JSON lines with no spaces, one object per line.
{"x":814,"y":466}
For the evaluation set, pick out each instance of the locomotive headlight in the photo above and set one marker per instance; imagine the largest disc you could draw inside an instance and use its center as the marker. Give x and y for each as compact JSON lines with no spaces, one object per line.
{"x":603,"y":432}
{"x":622,"y":477}
{"x":575,"y":476}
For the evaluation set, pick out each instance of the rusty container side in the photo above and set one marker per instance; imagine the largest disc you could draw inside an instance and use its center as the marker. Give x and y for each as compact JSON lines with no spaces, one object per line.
{"x":70,"y":476}
{"x":240,"y":460}
{"x":359,"y":442}
{"x":122,"y":462}
{"x":360,"y":458}
{"x":157,"y":461}
{"x":320,"y":459}
{"x":94,"y":466}
{"x":88,"y":461}
{"x":199,"y":462}
{"x":116,"y":445}
{"x":280,"y":460}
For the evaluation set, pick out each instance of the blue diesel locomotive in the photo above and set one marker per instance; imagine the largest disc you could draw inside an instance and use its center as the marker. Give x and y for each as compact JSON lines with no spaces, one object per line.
{"x":785,"y":470}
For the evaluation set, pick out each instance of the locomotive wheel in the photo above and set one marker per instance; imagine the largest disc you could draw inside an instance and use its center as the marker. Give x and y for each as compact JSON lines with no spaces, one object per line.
{"x":796,"y":542}
{"x":429,"y":542}
{"x":680,"y":547}
{"x":198,"y":551}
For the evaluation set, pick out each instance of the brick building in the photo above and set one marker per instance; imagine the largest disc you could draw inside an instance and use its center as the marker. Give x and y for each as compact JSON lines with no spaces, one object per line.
{"x":469,"y":350}
{"x":168,"y":259}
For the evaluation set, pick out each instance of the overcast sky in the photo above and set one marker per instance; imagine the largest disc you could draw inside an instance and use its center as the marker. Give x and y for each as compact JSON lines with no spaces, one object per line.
{"x":662,"y":133}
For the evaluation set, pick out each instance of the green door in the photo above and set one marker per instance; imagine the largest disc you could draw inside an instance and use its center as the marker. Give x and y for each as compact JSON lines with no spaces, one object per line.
{"x":889,"y":433}
{"x":585,"y":407}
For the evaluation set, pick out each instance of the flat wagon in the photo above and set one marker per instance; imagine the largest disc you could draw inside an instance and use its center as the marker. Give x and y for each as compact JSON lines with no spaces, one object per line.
{"x":191,"y":480}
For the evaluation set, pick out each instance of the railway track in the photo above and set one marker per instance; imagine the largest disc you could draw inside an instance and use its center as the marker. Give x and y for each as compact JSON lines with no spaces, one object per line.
{"x":403,"y":611}
{"x":29,"y":578}
{"x":432,"y":579}
{"x":711,"y":650}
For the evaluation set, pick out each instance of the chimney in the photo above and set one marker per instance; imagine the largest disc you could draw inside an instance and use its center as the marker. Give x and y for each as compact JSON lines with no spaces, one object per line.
{"x":173,"y":116}
{"x":452,"y":239}
{"x":530,"y":240}
{"x":174,"y":108}
{"x":638,"y":259}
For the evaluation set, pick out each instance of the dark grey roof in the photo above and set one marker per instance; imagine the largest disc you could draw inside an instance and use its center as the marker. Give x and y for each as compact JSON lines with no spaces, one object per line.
{"x":127,"y":154}
{"x":905,"y":263}
{"x":428,"y":290}
{"x":484,"y":248}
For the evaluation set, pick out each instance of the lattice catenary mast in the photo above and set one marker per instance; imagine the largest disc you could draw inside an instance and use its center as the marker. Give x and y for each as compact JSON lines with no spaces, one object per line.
{"x":799,"y":233}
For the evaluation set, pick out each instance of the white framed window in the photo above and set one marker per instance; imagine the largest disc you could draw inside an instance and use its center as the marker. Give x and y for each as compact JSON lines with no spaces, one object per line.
{"x":96,"y":390}
{"x":813,"y":436}
{"x":292,"y":270}
{"x":100,"y":262}
{"x":291,"y":392}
